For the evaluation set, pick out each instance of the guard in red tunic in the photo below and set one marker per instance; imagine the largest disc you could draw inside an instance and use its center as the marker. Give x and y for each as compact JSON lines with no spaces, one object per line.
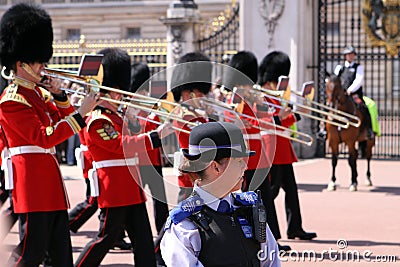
{"x":32,"y":126}
{"x":273,"y":65}
{"x":243,"y":76}
{"x":191,"y":79}
{"x":150,"y":163}
{"x":84,"y":210}
{"x":115,"y":177}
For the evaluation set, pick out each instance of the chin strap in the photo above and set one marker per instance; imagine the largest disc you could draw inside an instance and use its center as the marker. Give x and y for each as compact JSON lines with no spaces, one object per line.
{"x":10,"y":76}
{"x":29,"y":70}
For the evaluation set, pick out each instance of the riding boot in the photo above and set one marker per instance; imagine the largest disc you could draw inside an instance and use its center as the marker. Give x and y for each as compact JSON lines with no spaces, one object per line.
{"x":367,"y":123}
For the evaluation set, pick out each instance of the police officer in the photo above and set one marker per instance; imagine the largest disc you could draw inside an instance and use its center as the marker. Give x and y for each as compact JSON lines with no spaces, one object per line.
{"x":214,"y":226}
{"x":38,"y":190}
{"x":352,"y":77}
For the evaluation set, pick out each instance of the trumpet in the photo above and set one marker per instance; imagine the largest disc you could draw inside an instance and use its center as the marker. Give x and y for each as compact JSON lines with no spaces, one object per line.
{"x":334,"y":117}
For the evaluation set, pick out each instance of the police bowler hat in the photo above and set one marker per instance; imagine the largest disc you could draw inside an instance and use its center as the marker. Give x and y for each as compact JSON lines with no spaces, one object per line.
{"x":216,"y":140}
{"x":349,"y":49}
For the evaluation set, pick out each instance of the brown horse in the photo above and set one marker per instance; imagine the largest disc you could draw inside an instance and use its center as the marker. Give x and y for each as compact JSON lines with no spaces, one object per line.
{"x":340,"y":100}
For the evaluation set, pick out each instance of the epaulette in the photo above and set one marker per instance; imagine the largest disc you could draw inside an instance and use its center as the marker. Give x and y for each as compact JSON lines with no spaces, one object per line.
{"x":186,"y":208}
{"x":95,"y":115}
{"x":45,"y":94}
{"x":248,"y":198}
{"x":12,"y":95}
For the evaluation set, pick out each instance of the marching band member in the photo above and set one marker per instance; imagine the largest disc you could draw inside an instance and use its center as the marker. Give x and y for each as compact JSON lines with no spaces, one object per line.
{"x":214,"y":226}
{"x":190,"y":80}
{"x":150,"y":163}
{"x":84,"y":210}
{"x":120,"y":196}
{"x":256,"y":176}
{"x":33,"y":125}
{"x":273,"y":65}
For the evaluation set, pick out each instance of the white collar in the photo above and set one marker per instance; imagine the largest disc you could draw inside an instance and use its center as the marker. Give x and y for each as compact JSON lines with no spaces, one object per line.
{"x":209,"y":199}
{"x":348,"y":64}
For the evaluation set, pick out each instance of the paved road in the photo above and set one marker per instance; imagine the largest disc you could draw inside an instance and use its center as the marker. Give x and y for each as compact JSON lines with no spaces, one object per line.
{"x":366,"y":222}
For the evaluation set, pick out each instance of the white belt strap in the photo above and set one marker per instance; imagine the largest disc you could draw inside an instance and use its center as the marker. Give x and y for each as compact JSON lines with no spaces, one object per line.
{"x":93,"y":182}
{"x":94,"y":179}
{"x":115,"y":163}
{"x":251,"y":136}
{"x":7,"y":167}
{"x":30,"y":149}
{"x":80,"y":159}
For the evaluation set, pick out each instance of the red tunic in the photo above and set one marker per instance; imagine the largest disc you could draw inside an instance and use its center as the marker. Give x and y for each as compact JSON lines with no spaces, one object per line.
{"x":284,"y":153}
{"x":118,"y":185}
{"x":252,"y":136}
{"x":28,"y":120}
{"x":153,"y":156}
{"x":2,"y":144}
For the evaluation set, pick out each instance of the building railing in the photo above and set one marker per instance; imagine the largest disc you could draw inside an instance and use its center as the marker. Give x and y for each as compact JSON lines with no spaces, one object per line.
{"x":67,"y":54}
{"x":220,"y":37}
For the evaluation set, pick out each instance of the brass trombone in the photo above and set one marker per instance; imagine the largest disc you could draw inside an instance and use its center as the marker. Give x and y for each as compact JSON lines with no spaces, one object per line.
{"x":142,"y":104}
{"x":343,"y":119}
{"x":137,"y":106}
{"x":147,"y":103}
{"x":308,"y":140}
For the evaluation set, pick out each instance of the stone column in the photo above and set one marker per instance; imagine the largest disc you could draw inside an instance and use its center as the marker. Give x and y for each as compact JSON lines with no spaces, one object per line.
{"x":181,"y":21}
{"x":286,"y":26}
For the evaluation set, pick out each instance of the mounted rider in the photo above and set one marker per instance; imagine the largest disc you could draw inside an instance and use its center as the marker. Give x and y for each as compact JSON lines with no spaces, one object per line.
{"x":352,"y":77}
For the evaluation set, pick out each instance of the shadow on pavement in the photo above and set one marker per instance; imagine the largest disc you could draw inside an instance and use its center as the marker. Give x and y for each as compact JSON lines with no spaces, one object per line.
{"x":386,"y":189}
{"x":375,"y":189}
{"x":312,"y":187}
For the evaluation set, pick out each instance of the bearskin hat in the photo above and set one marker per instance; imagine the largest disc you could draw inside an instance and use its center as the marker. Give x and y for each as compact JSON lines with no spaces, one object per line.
{"x":196,"y":75}
{"x":140,"y":74}
{"x":272,"y":66}
{"x":243,"y":71}
{"x":117,"y":68}
{"x":26,"y":35}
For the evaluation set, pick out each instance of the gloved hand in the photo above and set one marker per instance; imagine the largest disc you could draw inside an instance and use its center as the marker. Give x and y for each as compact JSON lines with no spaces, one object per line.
{"x":165,"y":129}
